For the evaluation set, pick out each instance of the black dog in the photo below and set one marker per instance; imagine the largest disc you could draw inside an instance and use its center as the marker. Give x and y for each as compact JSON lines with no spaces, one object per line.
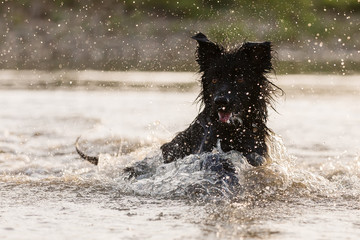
{"x":235,"y":95}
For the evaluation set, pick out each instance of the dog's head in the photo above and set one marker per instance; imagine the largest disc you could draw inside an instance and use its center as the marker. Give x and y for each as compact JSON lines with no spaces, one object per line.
{"x":234,"y":86}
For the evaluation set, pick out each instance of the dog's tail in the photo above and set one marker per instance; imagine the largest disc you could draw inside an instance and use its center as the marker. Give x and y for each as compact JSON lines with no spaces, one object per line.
{"x":92,"y":159}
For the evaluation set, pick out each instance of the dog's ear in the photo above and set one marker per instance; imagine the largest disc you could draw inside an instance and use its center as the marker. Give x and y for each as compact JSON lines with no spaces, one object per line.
{"x":258,"y":55}
{"x":207,"y":51}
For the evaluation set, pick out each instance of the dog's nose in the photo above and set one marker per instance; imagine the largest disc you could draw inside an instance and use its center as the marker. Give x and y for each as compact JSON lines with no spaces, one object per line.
{"x":221,"y":100}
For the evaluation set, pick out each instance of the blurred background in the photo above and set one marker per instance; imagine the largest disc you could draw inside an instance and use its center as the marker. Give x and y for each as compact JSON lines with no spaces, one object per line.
{"x":154,"y":35}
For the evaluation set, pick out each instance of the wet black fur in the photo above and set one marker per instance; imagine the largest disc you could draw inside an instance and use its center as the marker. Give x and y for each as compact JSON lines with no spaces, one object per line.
{"x":232,"y":81}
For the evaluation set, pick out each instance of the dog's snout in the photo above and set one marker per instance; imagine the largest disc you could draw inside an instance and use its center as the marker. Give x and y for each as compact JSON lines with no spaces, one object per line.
{"x":221,"y":100}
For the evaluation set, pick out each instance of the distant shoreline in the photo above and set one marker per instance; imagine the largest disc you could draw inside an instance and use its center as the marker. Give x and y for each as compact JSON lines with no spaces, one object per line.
{"x":91,"y":80}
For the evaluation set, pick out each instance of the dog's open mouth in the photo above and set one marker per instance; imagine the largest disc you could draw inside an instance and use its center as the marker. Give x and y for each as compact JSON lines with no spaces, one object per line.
{"x":230,"y":117}
{"x":224,"y":117}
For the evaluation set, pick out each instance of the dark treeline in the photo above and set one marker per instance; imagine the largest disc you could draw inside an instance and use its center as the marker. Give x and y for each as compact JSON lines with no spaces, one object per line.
{"x":320,"y":35}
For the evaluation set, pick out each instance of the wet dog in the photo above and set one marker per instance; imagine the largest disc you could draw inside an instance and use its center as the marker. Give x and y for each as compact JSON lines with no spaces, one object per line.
{"x":235,"y":97}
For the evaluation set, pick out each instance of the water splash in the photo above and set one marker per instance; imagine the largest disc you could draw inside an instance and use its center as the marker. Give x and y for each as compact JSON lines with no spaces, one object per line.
{"x":218,"y":176}
{"x":199,"y":177}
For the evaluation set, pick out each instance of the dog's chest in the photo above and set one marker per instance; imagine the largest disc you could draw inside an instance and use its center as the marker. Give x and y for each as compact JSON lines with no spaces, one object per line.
{"x":224,"y":139}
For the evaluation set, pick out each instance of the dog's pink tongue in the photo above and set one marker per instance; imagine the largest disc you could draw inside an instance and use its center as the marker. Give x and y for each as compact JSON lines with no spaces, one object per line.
{"x":224,"y":116}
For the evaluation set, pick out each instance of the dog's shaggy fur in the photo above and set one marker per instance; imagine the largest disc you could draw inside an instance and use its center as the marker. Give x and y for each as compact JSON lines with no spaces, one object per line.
{"x":235,"y":96}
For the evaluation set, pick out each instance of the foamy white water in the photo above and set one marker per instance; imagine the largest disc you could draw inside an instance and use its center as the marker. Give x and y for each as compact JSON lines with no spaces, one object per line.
{"x":309,"y":190}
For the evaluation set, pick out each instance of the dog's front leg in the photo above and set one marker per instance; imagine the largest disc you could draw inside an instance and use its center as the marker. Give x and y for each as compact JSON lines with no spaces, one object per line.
{"x":256,"y":155}
{"x":255,"y":150}
{"x":184,"y":143}
{"x":179,"y":147}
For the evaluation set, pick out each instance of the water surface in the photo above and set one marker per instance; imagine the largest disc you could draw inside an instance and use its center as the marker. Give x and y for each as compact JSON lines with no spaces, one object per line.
{"x":309,"y":189}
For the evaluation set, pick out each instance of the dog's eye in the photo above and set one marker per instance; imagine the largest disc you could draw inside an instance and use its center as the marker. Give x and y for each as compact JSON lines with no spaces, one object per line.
{"x":214,"y":81}
{"x":240,"y":80}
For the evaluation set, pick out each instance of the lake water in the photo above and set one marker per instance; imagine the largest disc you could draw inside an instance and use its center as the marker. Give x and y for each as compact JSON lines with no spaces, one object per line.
{"x":309,"y":190}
